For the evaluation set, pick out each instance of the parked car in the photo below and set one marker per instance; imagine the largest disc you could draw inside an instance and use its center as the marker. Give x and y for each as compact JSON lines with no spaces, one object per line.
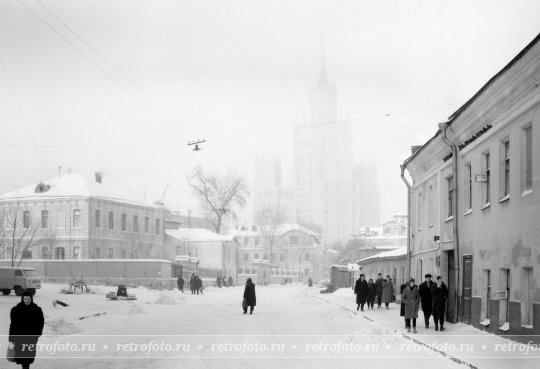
{"x":18,"y":279}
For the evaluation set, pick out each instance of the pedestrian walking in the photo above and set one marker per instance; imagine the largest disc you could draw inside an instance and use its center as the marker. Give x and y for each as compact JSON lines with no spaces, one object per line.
{"x":198,"y":284}
{"x":180,"y":283}
{"x":310,"y":282}
{"x":192,"y":283}
{"x":388,"y":291}
{"x":425,"y":298}
{"x":379,"y":289}
{"x":361,"y":291}
{"x":250,"y":299}
{"x":25,"y":329}
{"x":411,"y":299}
{"x":218,"y":281}
{"x":371,"y":294}
{"x":402,"y":308}
{"x":230,"y":281}
{"x":439,"y":295}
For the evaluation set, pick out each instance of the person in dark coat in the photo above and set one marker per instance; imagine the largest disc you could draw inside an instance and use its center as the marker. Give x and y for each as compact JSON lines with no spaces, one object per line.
{"x":402,"y":309}
{"x":224,"y":282}
{"x":379,"y":289}
{"x":249,"y":295}
{"x":411,"y":299}
{"x":218,"y":282}
{"x":439,"y":295}
{"x":25,"y":329}
{"x":371,"y":294}
{"x":198,"y":284}
{"x":388,"y":291}
{"x":180,"y":283}
{"x":192,"y":283}
{"x":361,"y":291}
{"x":230,"y":281}
{"x":310,"y":282}
{"x":425,"y":298}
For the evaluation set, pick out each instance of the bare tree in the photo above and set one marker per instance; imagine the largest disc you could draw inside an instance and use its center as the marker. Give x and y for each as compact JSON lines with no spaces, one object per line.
{"x":18,"y":232}
{"x":218,"y":194}
{"x":49,"y":239}
{"x":269,"y":219}
{"x":133,"y":241}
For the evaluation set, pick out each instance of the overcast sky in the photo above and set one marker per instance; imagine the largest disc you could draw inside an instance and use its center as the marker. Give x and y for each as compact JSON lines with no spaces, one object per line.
{"x":164,"y":72}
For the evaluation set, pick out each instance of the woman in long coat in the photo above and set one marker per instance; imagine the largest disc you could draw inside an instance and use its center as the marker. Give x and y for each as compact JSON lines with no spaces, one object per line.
{"x":388,"y":291}
{"x":25,"y":329}
{"x":411,"y":299}
{"x":249,"y":296}
{"x":402,"y":309}
{"x":361,"y":291}
{"x":371,"y":294}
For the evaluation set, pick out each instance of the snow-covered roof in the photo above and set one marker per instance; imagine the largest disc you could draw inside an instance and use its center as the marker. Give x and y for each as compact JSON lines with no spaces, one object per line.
{"x":400,"y":251}
{"x":71,"y":185}
{"x":197,"y":234}
{"x":281,"y":230}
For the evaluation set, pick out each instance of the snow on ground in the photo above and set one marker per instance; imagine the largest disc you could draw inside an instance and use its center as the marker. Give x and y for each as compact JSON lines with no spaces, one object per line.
{"x":292,"y":327}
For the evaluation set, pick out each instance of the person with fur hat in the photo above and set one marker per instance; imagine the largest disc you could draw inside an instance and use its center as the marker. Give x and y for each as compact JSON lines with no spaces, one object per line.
{"x":250,"y":299}
{"x":425,"y":298}
{"x":25,"y":329}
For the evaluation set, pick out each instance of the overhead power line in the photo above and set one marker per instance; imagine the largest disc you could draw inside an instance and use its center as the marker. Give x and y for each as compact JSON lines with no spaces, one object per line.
{"x":100,"y":68}
{"x":241,"y":134}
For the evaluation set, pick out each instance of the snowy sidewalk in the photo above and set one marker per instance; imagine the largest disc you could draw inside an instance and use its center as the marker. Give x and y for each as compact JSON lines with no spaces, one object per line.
{"x":461,"y":343}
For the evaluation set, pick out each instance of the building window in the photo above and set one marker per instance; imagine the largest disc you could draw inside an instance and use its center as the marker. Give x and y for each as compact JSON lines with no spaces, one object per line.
{"x":487,"y":296}
{"x":256,"y":241}
{"x":487,"y":171}
{"x":76,"y":253}
{"x":294,"y":240}
{"x":111,"y":220}
{"x":26,"y":219}
{"x":430,"y":205}
{"x":158,"y":227}
{"x":146,"y":224}
{"x":281,"y":257}
{"x":256,"y":256}
{"x":450,"y":186}
{"x":98,"y":253}
{"x":124,"y":220}
{"x":77,"y":218}
{"x":27,"y":254}
{"x":506,"y":169}
{"x":124,"y":253}
{"x":527,"y":166}
{"x":135,"y":223}
{"x":468,"y":169}
{"x":306,"y":258}
{"x":98,"y":219}
{"x":111,"y":253}
{"x":59,"y":253}
{"x":45,"y":253}
{"x":246,"y":257}
{"x":419,"y":213}
{"x":44,"y":219}
{"x":527,"y":289}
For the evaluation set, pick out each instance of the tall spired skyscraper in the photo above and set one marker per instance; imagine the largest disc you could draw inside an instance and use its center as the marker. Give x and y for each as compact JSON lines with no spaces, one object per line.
{"x":324,"y":164}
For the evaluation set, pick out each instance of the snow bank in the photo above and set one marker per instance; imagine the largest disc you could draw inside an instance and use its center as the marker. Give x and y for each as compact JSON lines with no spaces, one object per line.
{"x":59,"y":326}
{"x":135,"y":309}
{"x":173,"y":297}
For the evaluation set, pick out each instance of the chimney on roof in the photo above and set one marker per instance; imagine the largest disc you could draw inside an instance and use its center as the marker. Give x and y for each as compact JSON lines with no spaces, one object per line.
{"x":98,"y":176}
{"x":414,"y":149}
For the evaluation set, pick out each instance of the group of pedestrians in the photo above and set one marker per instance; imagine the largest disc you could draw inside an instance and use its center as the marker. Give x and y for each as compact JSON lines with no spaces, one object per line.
{"x":430,"y":295}
{"x":195,"y":284}
{"x":222,"y":282}
{"x":368,"y":291}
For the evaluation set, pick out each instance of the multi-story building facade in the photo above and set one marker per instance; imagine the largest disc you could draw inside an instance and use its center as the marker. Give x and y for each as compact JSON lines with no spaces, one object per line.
{"x":70,"y":217}
{"x":475,"y":202}
{"x":294,"y":249}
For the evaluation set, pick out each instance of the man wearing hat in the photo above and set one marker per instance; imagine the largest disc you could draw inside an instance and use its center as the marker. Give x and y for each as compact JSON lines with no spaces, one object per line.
{"x":425,"y":297}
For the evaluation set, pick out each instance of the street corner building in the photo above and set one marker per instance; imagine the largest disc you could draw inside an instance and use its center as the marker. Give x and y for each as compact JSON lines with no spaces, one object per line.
{"x":474,"y":203}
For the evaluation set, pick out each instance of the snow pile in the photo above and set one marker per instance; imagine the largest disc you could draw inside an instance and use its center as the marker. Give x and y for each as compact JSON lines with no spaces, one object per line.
{"x":98,"y":290}
{"x":141,"y":289}
{"x":346,"y":291}
{"x":59,"y":326}
{"x":173,"y":297}
{"x":135,"y":309}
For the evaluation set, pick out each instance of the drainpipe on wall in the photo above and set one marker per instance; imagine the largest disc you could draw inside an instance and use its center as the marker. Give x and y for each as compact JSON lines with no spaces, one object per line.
{"x":443,"y":127}
{"x":409,"y":207}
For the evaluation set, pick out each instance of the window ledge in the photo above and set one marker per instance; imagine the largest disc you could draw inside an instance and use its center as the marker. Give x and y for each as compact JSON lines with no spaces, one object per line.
{"x":418,"y":229}
{"x":487,"y":205}
{"x":468,"y":212}
{"x":430,"y":226}
{"x":449,"y":219}
{"x":506,"y":198}
{"x":526,"y":192}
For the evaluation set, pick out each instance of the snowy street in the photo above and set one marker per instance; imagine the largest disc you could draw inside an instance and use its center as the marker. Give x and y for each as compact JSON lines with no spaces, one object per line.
{"x":292,"y":327}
